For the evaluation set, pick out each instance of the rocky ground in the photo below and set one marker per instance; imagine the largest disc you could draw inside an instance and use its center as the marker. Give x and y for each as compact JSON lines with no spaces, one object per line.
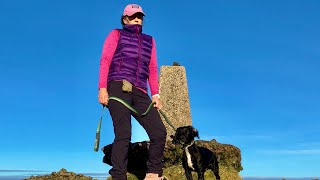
{"x":229,"y":158}
{"x":228,"y":155}
{"x":63,"y":174}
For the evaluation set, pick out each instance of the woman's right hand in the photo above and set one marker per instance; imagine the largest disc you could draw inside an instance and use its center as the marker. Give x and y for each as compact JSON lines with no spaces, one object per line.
{"x":103,"y":96}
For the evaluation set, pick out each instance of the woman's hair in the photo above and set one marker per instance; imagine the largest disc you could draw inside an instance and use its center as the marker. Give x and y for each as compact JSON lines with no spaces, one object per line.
{"x":122,"y":23}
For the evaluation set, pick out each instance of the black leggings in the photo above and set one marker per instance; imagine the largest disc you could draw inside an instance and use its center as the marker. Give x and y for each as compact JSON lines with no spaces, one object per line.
{"x":121,"y":117}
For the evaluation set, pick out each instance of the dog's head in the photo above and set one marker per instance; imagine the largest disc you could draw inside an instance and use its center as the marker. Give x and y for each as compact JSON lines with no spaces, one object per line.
{"x":184,"y":135}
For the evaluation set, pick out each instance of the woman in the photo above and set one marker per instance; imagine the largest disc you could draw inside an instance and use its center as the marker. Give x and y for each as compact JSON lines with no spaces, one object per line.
{"x":127,"y":64}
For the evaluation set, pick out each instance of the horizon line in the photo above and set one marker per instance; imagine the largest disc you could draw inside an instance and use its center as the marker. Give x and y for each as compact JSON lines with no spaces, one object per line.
{"x":100,"y":173}
{"x":291,"y":177}
{"x":21,"y":170}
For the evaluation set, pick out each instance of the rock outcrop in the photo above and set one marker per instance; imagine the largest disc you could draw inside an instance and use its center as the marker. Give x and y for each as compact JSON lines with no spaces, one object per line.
{"x":63,"y":174}
{"x":228,"y":155}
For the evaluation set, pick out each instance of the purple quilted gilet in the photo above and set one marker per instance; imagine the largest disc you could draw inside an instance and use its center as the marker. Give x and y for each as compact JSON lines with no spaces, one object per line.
{"x":132,"y":57}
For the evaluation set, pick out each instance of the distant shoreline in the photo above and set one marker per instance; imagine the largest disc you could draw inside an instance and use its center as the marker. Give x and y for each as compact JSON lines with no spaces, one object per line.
{"x":103,"y":176}
{"x":19,"y":176}
{"x":278,"y":178}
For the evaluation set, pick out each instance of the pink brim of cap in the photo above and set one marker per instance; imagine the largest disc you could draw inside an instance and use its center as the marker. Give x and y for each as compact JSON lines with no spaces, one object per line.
{"x":131,"y":9}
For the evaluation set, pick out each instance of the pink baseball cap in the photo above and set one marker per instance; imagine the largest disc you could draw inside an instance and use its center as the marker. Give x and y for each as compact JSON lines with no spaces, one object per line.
{"x":131,"y":9}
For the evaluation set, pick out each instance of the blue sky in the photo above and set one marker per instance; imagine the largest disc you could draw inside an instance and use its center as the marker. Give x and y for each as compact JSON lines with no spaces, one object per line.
{"x":252,"y":68}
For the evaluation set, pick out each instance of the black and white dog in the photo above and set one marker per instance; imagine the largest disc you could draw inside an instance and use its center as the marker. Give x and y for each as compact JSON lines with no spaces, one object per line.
{"x":138,"y":155}
{"x":195,"y":158}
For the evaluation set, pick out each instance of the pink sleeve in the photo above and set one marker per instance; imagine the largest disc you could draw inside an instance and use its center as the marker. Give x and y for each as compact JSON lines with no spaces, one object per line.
{"x":109,"y":47}
{"x":153,"y":66}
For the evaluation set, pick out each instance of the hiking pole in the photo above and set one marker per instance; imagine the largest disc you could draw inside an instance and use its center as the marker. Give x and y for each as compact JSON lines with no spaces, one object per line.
{"x":97,"y":141}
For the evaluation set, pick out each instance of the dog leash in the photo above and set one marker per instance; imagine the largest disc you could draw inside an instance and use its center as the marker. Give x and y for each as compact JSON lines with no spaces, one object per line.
{"x":145,"y":113}
{"x":130,"y":107}
{"x":97,"y":141}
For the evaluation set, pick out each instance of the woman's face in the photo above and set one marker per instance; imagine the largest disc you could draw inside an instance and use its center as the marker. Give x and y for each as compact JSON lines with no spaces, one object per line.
{"x":136,"y":18}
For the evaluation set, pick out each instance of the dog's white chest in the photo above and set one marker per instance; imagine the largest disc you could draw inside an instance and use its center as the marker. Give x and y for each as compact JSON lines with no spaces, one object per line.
{"x":189,"y":157}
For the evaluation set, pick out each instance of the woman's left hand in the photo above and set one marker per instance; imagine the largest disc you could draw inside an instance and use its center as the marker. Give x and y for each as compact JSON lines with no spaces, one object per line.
{"x":157,"y":102}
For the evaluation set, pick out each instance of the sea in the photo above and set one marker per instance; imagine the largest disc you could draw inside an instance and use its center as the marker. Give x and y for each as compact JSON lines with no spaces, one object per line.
{"x":24,"y":175}
{"x":21,"y":177}
{"x":103,"y":176}
{"x":278,"y":178}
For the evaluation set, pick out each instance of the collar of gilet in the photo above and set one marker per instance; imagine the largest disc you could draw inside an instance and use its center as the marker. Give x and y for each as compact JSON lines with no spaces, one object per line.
{"x":133,"y":28}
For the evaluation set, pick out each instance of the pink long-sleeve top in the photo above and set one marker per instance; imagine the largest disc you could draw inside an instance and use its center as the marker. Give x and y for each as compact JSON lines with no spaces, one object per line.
{"x":109,"y":48}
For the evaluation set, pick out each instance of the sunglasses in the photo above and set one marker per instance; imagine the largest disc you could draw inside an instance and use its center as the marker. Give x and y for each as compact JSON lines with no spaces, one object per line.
{"x":136,"y":15}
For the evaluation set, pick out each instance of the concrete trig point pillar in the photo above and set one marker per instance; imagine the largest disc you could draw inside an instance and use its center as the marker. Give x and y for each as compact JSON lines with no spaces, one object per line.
{"x":174,"y":97}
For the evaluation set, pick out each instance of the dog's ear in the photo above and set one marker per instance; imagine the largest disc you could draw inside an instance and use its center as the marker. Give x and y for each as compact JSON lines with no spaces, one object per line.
{"x":195,"y":132}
